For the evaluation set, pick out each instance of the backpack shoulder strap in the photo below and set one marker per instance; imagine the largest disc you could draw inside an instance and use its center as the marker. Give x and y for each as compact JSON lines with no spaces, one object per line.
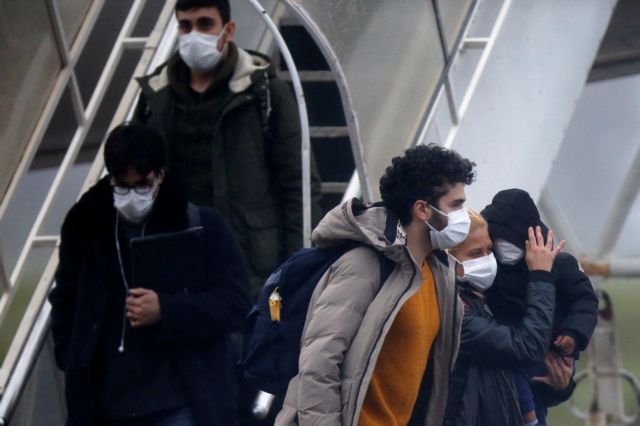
{"x":193,"y":214}
{"x":385,"y":264}
{"x":386,"y":267}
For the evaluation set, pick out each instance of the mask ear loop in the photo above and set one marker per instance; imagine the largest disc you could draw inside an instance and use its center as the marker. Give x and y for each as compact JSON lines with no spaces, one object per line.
{"x":124,"y":282}
{"x":222,"y":36}
{"x":456,"y":259}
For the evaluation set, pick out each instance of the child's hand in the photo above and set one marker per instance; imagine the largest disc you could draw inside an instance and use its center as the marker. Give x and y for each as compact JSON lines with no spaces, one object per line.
{"x":540,"y":255}
{"x":566,"y":343}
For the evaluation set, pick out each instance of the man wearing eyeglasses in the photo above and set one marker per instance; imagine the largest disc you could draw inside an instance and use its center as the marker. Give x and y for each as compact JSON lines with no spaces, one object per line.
{"x":133,"y":355}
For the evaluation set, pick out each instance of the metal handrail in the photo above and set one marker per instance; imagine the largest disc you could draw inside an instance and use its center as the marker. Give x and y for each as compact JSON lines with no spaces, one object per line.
{"x":304,"y":121}
{"x":347,"y":104}
{"x":443,"y":88}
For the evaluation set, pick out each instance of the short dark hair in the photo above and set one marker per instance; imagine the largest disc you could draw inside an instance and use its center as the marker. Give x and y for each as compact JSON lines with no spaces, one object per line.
{"x":425,"y":172}
{"x":222,"y":5}
{"x":136,"y":146}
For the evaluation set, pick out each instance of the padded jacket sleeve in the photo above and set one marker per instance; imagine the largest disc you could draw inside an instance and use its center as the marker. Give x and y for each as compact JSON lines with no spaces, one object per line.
{"x":576,"y":292}
{"x":333,"y":321}
{"x":485,"y":341}
{"x":223,"y":305}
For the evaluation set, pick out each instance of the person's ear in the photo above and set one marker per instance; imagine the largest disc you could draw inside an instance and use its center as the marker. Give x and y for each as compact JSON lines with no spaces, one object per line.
{"x":161,"y":176}
{"x":229,"y":31}
{"x":421,"y":210}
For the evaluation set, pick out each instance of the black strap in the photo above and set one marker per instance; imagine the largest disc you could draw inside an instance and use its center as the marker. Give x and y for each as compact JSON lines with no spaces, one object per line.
{"x":386,"y":267}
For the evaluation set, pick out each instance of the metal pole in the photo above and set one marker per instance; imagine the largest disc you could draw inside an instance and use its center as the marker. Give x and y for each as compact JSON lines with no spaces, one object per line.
{"x":4,"y":281}
{"x":74,"y":148}
{"x":21,"y":355}
{"x":345,"y":96}
{"x":468,"y":94}
{"x":621,"y":207}
{"x":304,"y":122}
{"x":54,"y":98}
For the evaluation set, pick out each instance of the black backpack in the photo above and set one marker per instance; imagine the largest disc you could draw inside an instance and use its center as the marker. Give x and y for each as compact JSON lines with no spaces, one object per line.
{"x":272,"y":348}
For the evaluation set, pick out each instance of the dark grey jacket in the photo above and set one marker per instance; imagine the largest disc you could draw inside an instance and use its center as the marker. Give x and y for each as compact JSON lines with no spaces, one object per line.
{"x":483,"y":392}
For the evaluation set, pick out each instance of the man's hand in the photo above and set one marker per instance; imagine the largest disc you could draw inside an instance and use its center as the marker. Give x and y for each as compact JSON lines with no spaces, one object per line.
{"x":540,"y":255}
{"x":559,"y":371}
{"x":566,"y":343}
{"x":143,"y":307}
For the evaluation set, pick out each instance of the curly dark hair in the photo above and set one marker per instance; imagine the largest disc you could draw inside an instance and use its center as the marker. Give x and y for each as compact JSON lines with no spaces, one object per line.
{"x":425,"y":172}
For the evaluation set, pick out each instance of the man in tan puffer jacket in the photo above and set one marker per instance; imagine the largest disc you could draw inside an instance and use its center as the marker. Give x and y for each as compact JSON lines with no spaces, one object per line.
{"x":375,"y":354}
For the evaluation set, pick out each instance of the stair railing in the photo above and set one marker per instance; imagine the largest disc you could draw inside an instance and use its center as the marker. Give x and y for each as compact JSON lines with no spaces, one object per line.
{"x":304,"y":120}
{"x":33,"y":327}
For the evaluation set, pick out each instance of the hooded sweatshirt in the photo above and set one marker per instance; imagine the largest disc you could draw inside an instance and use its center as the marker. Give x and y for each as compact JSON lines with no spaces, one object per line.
{"x":509,"y":215}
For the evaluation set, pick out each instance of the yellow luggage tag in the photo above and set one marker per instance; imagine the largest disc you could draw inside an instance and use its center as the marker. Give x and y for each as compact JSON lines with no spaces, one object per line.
{"x":275,"y":305}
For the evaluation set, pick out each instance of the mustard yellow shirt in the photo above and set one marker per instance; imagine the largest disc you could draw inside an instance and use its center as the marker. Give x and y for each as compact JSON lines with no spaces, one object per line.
{"x":403,"y":358}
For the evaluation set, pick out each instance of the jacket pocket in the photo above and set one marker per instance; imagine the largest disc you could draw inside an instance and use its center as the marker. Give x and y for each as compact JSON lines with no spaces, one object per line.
{"x":264,"y":240}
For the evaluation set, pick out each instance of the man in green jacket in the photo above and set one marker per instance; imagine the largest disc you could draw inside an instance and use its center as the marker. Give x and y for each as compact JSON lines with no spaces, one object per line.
{"x":233,"y":134}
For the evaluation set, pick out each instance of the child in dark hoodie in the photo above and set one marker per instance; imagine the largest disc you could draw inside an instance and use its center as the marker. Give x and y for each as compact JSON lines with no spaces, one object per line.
{"x":509,"y":215}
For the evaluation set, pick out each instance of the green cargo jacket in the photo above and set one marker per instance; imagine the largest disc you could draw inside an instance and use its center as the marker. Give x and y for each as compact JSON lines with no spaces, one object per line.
{"x":256,"y":176}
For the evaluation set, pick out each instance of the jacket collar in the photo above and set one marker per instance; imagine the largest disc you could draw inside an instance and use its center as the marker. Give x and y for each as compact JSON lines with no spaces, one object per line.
{"x":370,"y":224}
{"x":249,"y":68}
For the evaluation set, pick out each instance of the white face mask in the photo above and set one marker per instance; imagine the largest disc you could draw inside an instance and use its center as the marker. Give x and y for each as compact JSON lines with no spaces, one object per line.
{"x":133,"y":206}
{"x":479,"y":272}
{"x":454,"y":233}
{"x":200,"y":51}
{"x":507,"y":253}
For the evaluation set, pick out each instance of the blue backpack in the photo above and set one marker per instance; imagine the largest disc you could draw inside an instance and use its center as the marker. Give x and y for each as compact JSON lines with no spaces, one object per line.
{"x":272,"y":348}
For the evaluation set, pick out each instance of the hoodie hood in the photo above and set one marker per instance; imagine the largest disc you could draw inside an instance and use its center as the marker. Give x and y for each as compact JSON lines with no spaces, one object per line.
{"x":510,"y":215}
{"x":250,"y":66}
{"x":372,"y":225}
{"x":249,"y":63}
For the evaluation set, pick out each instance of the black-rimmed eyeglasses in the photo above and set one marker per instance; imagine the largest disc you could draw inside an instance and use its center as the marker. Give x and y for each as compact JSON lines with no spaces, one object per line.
{"x":138,"y":189}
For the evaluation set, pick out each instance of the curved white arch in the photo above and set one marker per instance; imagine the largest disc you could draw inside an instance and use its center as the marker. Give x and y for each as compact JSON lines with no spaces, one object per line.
{"x":345,"y":96}
{"x":304,"y":120}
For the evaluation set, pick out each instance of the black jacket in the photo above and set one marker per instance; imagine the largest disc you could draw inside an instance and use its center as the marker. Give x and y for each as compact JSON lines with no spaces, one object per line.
{"x":576,"y":312}
{"x":510,"y":214}
{"x":194,"y":325}
{"x":483,"y":391}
